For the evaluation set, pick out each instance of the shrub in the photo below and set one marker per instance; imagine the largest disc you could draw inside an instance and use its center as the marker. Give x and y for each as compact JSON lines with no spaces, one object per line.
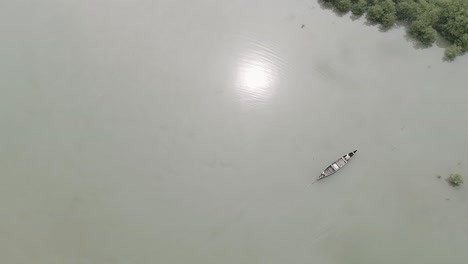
{"x":422,"y":31}
{"x":452,"y":52}
{"x":343,"y":5}
{"x":358,"y":8}
{"x":455,"y":179}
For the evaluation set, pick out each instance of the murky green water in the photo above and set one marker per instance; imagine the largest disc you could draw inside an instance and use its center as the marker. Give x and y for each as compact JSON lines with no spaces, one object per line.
{"x":187,"y":132}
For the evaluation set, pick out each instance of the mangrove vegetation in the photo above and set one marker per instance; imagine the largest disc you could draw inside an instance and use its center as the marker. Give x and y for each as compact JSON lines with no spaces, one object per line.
{"x":423,"y":19}
{"x":455,"y":179}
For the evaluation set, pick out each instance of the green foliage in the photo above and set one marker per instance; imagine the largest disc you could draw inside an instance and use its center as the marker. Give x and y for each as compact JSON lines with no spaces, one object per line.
{"x":343,"y":5}
{"x":359,"y":7}
{"x":388,"y":20}
{"x":455,"y":179}
{"x":375,"y":13}
{"x":453,"y":25}
{"x":422,"y":30}
{"x":407,"y":10}
{"x":452,"y":52}
{"x":463,"y":42}
{"x":383,"y":12}
{"x":424,"y":17}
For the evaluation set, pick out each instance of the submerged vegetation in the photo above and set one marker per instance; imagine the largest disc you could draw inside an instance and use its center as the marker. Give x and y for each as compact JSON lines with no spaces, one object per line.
{"x":455,"y":179}
{"x":424,"y":18}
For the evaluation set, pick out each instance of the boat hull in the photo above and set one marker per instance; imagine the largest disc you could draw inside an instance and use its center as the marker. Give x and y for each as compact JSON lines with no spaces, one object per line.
{"x":337,"y":165}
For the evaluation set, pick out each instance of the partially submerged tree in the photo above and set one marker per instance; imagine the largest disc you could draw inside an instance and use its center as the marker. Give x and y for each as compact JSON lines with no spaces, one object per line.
{"x":455,"y":179}
{"x":343,"y":5}
{"x":422,"y":30}
{"x":452,"y":52}
{"x":423,"y":17}
{"x":382,"y":12}
{"x":359,"y":7}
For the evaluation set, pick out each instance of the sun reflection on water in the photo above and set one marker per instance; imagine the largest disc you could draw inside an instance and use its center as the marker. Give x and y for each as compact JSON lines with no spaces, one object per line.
{"x":257,"y":76}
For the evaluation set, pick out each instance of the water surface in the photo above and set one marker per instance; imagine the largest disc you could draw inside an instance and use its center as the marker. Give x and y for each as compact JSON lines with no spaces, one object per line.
{"x":187,"y":132}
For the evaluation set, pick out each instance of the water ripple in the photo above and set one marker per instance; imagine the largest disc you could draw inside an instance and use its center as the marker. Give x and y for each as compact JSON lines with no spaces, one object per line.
{"x":259,"y":68}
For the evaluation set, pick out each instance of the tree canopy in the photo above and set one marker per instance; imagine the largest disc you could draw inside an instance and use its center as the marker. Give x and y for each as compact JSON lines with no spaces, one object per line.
{"x":424,"y":18}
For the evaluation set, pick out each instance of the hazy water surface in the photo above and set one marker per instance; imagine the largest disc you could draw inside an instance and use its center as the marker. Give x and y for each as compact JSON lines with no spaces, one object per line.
{"x":187,"y":132}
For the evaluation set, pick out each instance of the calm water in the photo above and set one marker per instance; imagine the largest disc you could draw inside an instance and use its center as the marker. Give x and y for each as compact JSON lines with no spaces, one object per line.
{"x":187,"y":132}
